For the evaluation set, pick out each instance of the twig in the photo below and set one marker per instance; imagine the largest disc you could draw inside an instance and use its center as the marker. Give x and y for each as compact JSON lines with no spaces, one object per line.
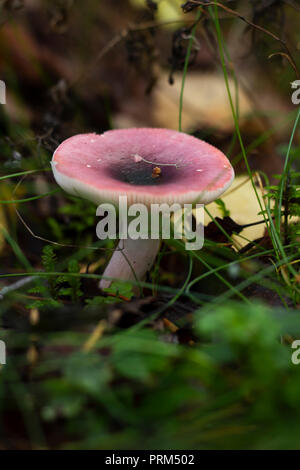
{"x":16,"y":285}
{"x":96,"y":334}
{"x":119,"y":37}
{"x":254,"y":25}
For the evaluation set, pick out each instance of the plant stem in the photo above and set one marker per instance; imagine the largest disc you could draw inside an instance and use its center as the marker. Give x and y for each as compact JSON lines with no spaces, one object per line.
{"x":185,"y":68}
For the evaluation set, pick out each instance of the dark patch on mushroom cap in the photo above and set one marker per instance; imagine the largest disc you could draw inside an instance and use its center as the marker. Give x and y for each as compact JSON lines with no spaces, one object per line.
{"x":142,"y":173}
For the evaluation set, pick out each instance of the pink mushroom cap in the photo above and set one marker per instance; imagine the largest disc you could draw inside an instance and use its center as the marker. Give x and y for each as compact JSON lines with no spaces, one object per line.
{"x":122,"y":163}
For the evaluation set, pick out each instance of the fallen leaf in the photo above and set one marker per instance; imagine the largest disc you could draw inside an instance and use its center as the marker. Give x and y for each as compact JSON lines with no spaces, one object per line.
{"x":205,"y":102}
{"x":244,"y":208}
{"x":167,"y":10}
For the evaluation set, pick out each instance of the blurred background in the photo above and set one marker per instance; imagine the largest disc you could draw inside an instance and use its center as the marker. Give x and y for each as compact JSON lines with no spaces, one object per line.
{"x":80,"y":373}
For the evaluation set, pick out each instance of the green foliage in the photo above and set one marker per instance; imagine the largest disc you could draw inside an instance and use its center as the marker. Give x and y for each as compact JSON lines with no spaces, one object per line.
{"x":74,"y":282}
{"x":101,"y":300}
{"x":235,"y":387}
{"x":57,"y":286}
{"x":57,"y":229}
{"x":82,"y":215}
{"x":75,"y":220}
{"x":115,"y":292}
{"x":224,"y":211}
{"x":48,"y":293}
{"x":49,"y":260}
{"x":291,"y":208}
{"x":123,"y":289}
{"x":291,"y":194}
{"x":224,"y":379}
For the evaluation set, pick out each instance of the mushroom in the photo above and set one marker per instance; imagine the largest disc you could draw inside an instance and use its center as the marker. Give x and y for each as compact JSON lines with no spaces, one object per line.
{"x":148,"y":166}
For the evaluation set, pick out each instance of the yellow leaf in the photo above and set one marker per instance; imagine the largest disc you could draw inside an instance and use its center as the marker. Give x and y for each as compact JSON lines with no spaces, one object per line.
{"x":168,"y":10}
{"x":205,"y":102}
{"x":241,"y":201}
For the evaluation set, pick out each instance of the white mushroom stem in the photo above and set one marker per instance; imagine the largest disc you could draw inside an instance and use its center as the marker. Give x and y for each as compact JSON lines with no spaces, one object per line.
{"x":131,"y":261}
